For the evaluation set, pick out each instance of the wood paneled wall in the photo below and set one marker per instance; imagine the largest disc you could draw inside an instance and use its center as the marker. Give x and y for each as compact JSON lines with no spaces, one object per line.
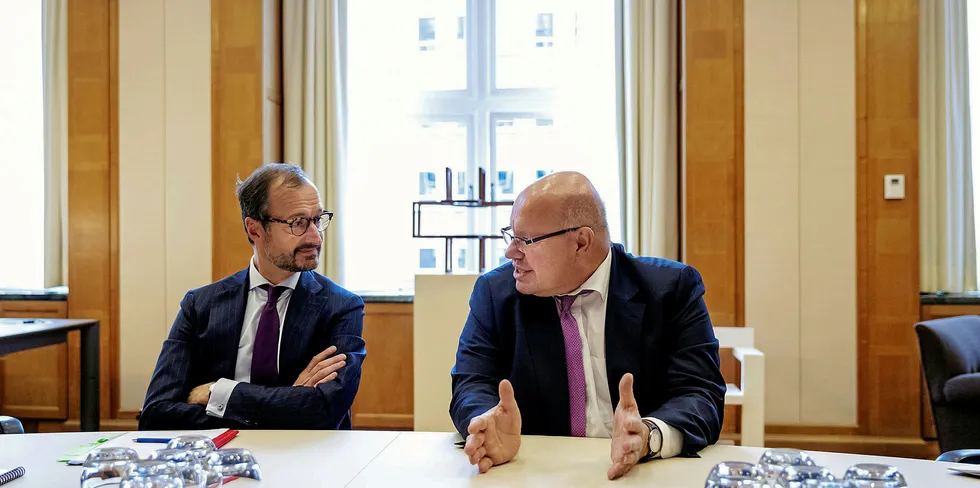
{"x":34,"y":383}
{"x":714,"y":163}
{"x":713,"y":149}
{"x":93,"y":208}
{"x":236,"y":122}
{"x":888,"y":237}
{"x":386,"y":397}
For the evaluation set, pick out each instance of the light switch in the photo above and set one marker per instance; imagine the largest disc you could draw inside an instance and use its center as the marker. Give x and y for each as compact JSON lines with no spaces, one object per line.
{"x":894,"y":187}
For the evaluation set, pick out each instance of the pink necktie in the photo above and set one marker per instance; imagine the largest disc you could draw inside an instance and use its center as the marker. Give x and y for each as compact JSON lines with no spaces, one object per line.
{"x":573,"y":363}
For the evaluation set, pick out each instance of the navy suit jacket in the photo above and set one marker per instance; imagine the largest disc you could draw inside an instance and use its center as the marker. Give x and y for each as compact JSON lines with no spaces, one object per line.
{"x":203,"y":347}
{"x":657,"y":328}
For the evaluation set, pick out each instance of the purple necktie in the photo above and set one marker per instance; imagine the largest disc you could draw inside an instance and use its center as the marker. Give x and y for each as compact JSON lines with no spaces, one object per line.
{"x":573,"y":363}
{"x":265,"y":348}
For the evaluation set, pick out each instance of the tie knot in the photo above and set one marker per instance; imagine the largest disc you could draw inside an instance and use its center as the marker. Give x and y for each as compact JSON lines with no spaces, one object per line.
{"x":565,"y":301}
{"x":274,"y":292}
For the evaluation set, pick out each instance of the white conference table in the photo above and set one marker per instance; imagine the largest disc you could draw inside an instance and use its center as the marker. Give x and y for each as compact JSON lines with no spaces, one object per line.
{"x":367,"y":459}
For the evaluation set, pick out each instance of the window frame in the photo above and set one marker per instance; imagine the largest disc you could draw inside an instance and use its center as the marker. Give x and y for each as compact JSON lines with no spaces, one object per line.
{"x":481,"y":104}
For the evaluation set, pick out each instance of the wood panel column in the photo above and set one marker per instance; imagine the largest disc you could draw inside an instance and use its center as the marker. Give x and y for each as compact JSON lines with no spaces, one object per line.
{"x":887,"y":92}
{"x":237,"y":100}
{"x":713,"y":163}
{"x":93,"y":197}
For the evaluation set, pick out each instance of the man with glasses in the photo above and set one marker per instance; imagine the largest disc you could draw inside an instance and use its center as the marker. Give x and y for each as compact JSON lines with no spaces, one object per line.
{"x":274,"y":346}
{"x":575,"y":337}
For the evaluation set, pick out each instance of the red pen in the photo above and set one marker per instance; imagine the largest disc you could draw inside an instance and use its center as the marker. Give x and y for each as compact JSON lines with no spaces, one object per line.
{"x":224,"y":438}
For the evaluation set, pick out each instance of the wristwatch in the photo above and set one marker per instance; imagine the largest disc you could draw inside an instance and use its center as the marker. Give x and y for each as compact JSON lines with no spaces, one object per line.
{"x":656,"y":439}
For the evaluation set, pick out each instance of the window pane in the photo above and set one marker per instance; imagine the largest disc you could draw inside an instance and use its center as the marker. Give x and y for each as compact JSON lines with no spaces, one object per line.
{"x":528,"y":148}
{"x":383,"y":180}
{"x":415,"y":44}
{"x":537,"y":39}
{"x":22,"y":145}
{"x":440,"y":63}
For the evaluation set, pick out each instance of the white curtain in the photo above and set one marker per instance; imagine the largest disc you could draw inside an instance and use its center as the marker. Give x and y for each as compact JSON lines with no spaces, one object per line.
{"x":948,"y":259}
{"x":313,"y":108}
{"x":649,"y":136}
{"x":55,"y":53}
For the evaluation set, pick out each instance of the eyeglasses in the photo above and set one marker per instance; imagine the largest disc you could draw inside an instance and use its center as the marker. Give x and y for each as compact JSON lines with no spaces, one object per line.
{"x":299,"y":225}
{"x":523,"y":242}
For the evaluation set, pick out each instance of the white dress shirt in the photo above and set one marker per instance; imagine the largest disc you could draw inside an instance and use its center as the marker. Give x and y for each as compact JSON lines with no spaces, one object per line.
{"x":590,"y":313}
{"x":257,"y":298}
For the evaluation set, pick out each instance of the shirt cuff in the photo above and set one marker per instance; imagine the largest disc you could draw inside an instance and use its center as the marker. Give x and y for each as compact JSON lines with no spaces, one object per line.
{"x":673,"y":439}
{"x":220,"y":395}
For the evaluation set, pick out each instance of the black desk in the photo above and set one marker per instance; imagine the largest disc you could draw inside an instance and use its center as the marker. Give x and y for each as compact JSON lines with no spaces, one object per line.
{"x":21,"y":334}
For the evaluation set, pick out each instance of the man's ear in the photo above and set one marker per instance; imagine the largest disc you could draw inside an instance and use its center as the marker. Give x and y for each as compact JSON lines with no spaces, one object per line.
{"x":584,"y":239}
{"x":254,"y":228}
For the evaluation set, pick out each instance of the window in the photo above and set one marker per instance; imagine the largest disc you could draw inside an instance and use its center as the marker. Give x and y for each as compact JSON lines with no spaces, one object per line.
{"x":22,"y":145}
{"x":427,"y":34}
{"x":518,"y":88}
{"x":427,"y":258}
{"x":544,"y":31}
{"x":973,"y":48}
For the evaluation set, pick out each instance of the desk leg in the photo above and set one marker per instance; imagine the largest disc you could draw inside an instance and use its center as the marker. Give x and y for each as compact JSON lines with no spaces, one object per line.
{"x":90,"y":379}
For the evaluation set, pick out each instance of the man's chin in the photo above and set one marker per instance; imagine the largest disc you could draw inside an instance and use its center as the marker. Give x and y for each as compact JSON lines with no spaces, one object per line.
{"x":525,"y":288}
{"x":306,"y":264}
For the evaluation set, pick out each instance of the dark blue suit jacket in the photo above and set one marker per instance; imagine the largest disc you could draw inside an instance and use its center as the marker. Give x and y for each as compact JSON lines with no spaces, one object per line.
{"x":657,"y":328}
{"x":203,"y":347}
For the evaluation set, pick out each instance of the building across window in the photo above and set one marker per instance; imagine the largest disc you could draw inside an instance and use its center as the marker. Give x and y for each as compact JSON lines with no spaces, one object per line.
{"x":427,"y":258}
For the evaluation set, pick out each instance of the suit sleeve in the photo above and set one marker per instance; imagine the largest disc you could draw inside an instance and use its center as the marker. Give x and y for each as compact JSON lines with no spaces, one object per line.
{"x":696,"y":389}
{"x":166,"y":407}
{"x":324,"y":406}
{"x":478,"y":371}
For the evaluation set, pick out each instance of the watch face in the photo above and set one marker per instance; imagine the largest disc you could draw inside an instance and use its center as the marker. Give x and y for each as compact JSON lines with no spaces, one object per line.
{"x":656,"y":441}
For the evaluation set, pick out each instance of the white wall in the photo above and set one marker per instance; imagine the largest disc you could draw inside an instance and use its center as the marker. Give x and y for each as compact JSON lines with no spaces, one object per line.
{"x":164,"y":175}
{"x":800,"y":242}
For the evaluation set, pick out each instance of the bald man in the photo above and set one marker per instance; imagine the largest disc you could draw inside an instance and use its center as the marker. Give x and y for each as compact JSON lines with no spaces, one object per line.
{"x":575,"y":337}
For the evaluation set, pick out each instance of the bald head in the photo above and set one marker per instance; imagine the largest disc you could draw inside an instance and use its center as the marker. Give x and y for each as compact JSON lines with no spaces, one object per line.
{"x":563,"y":217}
{"x":567,"y":197}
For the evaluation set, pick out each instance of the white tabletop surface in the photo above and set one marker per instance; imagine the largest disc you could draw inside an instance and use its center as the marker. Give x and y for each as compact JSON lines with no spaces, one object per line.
{"x":366,"y":459}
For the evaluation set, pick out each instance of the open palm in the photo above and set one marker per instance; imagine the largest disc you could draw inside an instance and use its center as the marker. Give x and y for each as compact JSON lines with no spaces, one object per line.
{"x":495,"y":436}
{"x":630,"y":435}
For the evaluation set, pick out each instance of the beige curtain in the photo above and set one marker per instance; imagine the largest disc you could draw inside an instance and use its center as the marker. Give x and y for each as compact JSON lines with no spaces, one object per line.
{"x":55,"y":52}
{"x":649,"y":136}
{"x":948,"y":259}
{"x":313,"y":114}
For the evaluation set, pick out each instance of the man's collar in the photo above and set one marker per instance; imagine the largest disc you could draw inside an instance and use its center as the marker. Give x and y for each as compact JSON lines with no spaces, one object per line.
{"x":599,"y":281}
{"x":256,"y":279}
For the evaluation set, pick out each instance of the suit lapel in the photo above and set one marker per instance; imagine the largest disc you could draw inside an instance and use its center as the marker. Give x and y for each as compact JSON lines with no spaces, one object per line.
{"x":301,"y":317}
{"x":543,"y":333}
{"x":227,"y":318}
{"x":624,"y":324}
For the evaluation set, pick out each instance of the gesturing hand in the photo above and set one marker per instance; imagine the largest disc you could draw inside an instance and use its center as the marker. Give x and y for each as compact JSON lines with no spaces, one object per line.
{"x":495,"y":436}
{"x":631,"y":437}
{"x":322,"y":368}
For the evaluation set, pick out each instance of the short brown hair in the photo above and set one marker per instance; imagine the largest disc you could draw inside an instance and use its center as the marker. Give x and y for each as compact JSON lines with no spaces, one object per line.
{"x":253,"y":193}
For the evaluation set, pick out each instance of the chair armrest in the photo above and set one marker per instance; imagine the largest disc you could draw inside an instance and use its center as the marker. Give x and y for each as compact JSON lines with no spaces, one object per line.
{"x":967,"y":456}
{"x":10,"y":425}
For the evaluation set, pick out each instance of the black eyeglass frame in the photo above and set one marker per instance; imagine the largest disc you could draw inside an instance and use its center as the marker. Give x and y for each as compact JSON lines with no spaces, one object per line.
{"x":509,"y":236}
{"x":322,"y":222}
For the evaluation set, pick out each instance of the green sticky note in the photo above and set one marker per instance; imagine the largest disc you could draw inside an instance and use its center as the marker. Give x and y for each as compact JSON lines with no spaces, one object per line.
{"x":81,"y":451}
